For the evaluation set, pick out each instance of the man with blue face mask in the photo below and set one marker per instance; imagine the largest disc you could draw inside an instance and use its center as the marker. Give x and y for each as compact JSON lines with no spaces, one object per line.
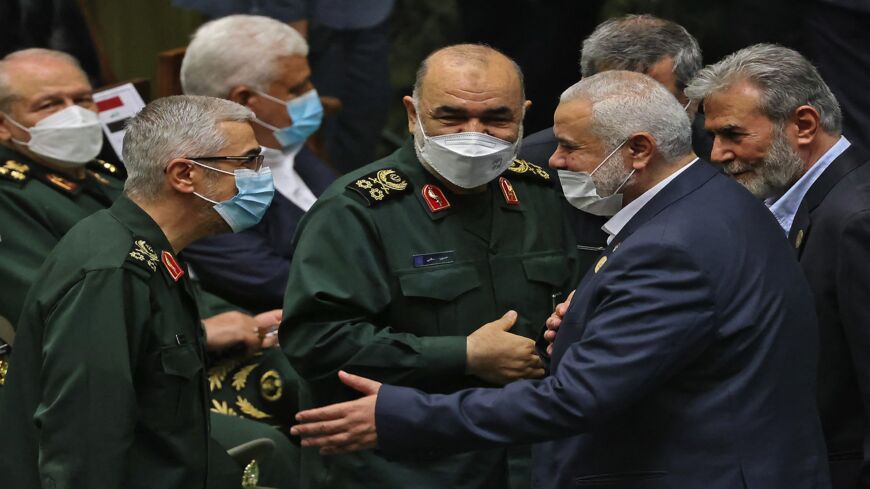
{"x":401,"y":267}
{"x":49,"y":182}
{"x":260,"y":63}
{"x":108,"y":388}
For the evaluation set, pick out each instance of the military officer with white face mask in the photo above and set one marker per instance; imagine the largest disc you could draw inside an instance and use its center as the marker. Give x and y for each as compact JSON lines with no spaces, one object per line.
{"x":401,"y":266}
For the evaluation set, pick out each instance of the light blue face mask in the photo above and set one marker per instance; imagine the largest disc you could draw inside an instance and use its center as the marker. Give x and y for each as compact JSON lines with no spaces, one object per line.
{"x":305,"y":111}
{"x":247,"y":207}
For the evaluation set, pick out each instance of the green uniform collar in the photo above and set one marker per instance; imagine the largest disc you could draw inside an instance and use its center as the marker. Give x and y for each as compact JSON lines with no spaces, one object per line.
{"x":156,"y":251}
{"x":419,"y":176}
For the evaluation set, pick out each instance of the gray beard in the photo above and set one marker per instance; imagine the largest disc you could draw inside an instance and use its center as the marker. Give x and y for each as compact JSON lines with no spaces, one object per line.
{"x":779,"y":169}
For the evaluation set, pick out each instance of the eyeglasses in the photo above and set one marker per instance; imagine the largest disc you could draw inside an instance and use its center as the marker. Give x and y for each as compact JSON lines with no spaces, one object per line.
{"x":253,"y":162}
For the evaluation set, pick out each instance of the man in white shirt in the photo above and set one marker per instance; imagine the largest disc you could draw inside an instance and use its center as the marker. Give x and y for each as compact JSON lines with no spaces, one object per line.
{"x":260,"y":63}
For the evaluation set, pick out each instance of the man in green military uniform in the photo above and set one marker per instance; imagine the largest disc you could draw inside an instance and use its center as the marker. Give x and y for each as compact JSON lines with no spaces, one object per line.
{"x":399,"y":264}
{"x":49,"y":181}
{"x":107,"y":384}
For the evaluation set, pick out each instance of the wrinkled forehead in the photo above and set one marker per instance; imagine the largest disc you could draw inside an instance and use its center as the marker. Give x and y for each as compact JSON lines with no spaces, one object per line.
{"x":452,"y":81}
{"x":32,"y":76}
{"x":736,"y":104}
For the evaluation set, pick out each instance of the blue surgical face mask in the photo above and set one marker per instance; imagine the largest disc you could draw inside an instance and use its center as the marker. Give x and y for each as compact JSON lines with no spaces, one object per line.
{"x":247,"y":207}
{"x":305,"y":111}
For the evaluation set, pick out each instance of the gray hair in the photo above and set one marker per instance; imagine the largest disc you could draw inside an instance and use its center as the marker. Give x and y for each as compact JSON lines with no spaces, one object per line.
{"x":173,"y":127}
{"x":785,"y":78}
{"x":7,"y":91}
{"x":478,"y":54}
{"x":625,"y":103}
{"x":636,"y":42}
{"x":237,"y":50}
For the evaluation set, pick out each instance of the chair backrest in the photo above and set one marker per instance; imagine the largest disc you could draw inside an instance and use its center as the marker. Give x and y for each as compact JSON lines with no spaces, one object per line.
{"x":168,"y":79}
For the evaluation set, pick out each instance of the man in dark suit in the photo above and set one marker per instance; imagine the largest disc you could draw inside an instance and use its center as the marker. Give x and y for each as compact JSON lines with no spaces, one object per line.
{"x":261,"y":63}
{"x":646,"y":44}
{"x":777,"y":130}
{"x":687,"y":358}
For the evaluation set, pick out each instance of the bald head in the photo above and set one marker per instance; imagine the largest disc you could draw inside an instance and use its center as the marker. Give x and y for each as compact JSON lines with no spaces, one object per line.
{"x":474,"y":61}
{"x":25,"y":72}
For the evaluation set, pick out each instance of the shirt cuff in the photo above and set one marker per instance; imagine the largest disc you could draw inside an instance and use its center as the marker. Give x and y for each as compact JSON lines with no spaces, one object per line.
{"x":444,"y":355}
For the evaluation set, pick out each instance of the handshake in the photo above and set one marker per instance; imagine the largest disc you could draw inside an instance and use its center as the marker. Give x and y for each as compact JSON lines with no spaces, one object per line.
{"x":498,"y":356}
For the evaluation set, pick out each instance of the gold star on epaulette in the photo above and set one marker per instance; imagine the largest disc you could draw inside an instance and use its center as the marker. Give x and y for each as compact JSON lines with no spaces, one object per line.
{"x":143,"y":254}
{"x":530,"y":171}
{"x":381,"y":185}
{"x":14,"y":171}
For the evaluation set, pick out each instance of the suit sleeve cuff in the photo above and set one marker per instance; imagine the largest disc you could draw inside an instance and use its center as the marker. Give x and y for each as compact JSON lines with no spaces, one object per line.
{"x":444,"y":355}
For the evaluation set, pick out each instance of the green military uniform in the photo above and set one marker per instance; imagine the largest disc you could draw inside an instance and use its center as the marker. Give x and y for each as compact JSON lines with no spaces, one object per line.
{"x":390,"y":274}
{"x":107,"y":388}
{"x":38,"y":206}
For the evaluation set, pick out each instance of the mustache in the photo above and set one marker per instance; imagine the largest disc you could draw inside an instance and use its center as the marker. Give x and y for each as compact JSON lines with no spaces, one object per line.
{"x":734,"y":167}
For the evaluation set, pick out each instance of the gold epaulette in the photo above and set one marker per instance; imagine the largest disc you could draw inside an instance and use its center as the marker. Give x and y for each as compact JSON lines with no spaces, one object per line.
{"x":143,"y":254}
{"x":380,"y":186}
{"x":531,"y":171}
{"x":15,"y":172}
{"x":104,"y":166}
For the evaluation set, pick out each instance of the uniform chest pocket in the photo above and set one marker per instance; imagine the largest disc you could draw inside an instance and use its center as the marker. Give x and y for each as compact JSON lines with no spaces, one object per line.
{"x":433,"y":298}
{"x":172,"y":395}
{"x":551,"y":269}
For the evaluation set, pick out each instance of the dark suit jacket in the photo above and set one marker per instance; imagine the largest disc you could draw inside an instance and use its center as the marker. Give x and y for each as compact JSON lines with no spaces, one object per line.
{"x":687,"y":359}
{"x":834,"y":251}
{"x":250,"y":268}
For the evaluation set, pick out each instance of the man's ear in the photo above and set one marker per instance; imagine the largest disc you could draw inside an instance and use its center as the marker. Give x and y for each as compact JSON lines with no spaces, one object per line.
{"x":241,"y":94}
{"x":806,"y":120}
{"x":412,"y":113}
{"x":180,"y":174}
{"x":640,"y":147}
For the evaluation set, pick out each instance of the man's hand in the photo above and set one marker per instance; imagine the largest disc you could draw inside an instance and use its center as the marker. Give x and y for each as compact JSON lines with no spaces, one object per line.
{"x":554,"y":321}
{"x":499,"y":357}
{"x":345,"y":427}
{"x":228,"y":329}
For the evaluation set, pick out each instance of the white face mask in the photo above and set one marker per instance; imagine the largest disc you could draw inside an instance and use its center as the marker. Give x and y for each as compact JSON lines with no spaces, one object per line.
{"x":69,"y":137}
{"x":580,"y":191}
{"x":468,"y":159}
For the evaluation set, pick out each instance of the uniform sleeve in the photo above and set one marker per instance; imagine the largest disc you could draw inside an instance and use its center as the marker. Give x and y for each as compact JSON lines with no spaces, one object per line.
{"x":87,"y":410}
{"x":337,"y":301}
{"x":853,"y":297}
{"x":649,"y":325}
{"x":24,"y":244}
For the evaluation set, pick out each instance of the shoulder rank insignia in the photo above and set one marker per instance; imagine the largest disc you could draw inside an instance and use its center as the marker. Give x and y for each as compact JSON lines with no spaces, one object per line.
{"x":435,"y":198}
{"x":529,"y":170}
{"x":508,"y":191}
{"x":143,"y":254}
{"x":381,"y":185}
{"x":171,"y":264}
{"x":103,"y":166}
{"x":14,"y":171}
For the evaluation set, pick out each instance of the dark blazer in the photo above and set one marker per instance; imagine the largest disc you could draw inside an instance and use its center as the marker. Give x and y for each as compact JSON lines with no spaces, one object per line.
{"x":834,"y":251}
{"x":687,"y":359}
{"x":250,"y":268}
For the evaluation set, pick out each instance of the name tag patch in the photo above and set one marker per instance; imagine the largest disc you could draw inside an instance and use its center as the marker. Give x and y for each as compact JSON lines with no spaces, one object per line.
{"x":432,"y":259}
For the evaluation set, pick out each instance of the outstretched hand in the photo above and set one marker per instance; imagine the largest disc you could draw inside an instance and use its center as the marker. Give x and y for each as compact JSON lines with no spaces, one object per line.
{"x":345,"y":427}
